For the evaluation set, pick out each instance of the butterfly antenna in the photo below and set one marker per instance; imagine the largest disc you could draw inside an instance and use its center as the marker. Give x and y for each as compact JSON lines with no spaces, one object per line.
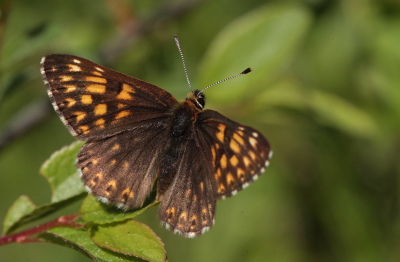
{"x":246,"y":71}
{"x":183,"y":61}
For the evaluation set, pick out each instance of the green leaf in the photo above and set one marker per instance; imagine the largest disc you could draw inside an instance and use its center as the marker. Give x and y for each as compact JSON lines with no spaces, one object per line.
{"x":79,"y":239}
{"x":130,"y":238}
{"x":23,"y":206}
{"x":266,"y":39}
{"x":63,"y":175}
{"x":94,"y":211}
{"x":338,"y":113}
{"x":24,"y":211}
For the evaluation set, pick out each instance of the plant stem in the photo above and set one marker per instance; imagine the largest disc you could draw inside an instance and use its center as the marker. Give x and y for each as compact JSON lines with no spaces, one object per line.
{"x":25,"y":236}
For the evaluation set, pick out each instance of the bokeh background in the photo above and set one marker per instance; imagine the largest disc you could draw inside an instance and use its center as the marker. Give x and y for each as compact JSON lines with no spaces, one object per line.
{"x":325,"y":90}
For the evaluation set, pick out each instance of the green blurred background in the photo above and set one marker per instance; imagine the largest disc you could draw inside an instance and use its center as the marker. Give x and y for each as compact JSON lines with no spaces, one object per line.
{"x":325,"y":91}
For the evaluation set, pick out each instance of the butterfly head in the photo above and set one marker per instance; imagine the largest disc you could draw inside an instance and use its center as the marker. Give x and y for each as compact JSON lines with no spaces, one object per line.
{"x":197,"y":98}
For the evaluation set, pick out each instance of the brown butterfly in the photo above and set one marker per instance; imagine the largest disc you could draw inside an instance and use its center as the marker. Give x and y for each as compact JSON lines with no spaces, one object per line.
{"x":137,"y":133}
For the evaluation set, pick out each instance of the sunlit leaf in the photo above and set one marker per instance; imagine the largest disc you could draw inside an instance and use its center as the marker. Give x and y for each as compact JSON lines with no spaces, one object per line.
{"x":62,"y":173}
{"x":130,"y":238}
{"x":21,"y":207}
{"x":79,"y":239}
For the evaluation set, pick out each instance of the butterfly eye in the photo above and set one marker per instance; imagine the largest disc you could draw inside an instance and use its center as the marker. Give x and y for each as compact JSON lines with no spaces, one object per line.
{"x":201,"y":98}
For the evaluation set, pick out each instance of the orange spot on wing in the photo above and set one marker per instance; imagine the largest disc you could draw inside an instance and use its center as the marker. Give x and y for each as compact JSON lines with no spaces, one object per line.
{"x":253,"y":155}
{"x":221,"y":189}
{"x":122,"y":114}
{"x":99,"y":69}
{"x":96,"y":88}
{"x":128,"y":192}
{"x":218,"y":175}
{"x":234,"y":146}
{"x":224,"y":161}
{"x":116,"y":146}
{"x":171,"y":212}
{"x":74,"y":68}
{"x":221,"y":132}
{"x":86,"y":99}
{"x":100,"y":122}
{"x":80,"y":115}
{"x":214,"y":153}
{"x":234,"y":160}
{"x":241,"y":174}
{"x":84,"y":129}
{"x":247,"y":161}
{"x":69,"y":88}
{"x":230,"y":179}
{"x":71,"y":102}
{"x":126,"y":92}
{"x":238,"y":138}
{"x":100,"y":109}
{"x":253,"y":141}
{"x":111,"y":185}
{"x":96,"y":79}
{"x":65,"y":78}
{"x":183,"y":215}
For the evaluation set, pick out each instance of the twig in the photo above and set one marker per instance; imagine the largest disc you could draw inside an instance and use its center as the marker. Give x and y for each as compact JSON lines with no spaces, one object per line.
{"x":25,"y":236}
{"x":135,"y":29}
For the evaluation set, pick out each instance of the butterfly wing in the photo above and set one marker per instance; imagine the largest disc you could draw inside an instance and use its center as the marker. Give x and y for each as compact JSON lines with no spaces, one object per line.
{"x":121,"y":169}
{"x":188,"y":205}
{"x":239,"y":153}
{"x":123,"y":118}
{"x":219,"y":158}
{"x":96,"y":102}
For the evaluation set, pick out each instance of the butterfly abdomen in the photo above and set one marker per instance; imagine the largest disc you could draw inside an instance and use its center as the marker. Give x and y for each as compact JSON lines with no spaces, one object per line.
{"x":181,"y":129}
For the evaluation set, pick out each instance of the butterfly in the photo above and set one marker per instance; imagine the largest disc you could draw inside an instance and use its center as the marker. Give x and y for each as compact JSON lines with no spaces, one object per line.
{"x":138,"y":134}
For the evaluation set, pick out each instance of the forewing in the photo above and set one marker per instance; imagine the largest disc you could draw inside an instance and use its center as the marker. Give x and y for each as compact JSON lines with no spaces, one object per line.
{"x":239,"y":153}
{"x":121,"y":169}
{"x":95,"y":102}
{"x":188,"y":205}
